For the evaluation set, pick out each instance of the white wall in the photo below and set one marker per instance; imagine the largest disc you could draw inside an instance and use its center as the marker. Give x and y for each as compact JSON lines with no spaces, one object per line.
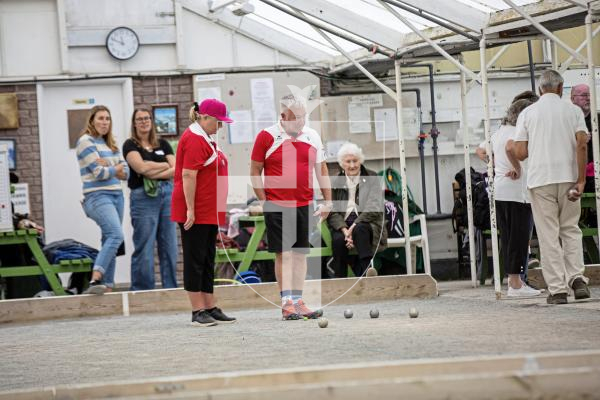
{"x":30,"y":39}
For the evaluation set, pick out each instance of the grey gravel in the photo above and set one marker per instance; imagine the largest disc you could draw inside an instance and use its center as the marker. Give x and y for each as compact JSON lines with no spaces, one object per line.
{"x":460,"y":322}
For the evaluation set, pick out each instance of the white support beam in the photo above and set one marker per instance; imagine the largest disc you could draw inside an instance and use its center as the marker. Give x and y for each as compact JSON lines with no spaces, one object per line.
{"x":347,"y":20}
{"x":433,"y":44}
{"x":468,"y":187}
{"x":593,"y":106}
{"x":179,"y":44}
{"x":452,"y":11}
{"x":404,"y":183}
{"x":490,"y":167}
{"x":522,"y":23}
{"x":564,"y":66}
{"x":259,"y":32}
{"x":82,"y":37}
{"x":489,"y":65}
{"x":362,"y":69}
{"x":545,"y":31}
{"x":62,"y":35}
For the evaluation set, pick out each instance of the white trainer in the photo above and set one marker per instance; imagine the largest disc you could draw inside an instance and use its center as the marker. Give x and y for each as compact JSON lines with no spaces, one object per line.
{"x":523,"y":291}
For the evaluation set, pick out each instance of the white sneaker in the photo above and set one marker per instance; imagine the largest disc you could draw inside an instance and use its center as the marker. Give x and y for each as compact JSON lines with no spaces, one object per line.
{"x":523,"y":291}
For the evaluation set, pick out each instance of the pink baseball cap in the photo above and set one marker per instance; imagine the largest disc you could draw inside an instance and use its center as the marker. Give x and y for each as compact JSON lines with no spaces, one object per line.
{"x":214,"y":108}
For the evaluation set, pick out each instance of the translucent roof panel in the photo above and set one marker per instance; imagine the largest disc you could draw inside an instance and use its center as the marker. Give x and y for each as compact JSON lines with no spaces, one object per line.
{"x":491,"y":6}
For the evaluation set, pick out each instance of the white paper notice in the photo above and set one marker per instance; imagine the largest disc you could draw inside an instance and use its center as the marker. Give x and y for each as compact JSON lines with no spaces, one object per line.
{"x":209,"y":93}
{"x":411,"y":121}
{"x":333,"y":147}
{"x":263,"y":103}
{"x":371,"y":100}
{"x":359,"y":118}
{"x":385,"y":124}
{"x":242,"y":129}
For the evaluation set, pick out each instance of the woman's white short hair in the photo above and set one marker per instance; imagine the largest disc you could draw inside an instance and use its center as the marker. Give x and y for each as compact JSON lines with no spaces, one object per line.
{"x":350,"y":149}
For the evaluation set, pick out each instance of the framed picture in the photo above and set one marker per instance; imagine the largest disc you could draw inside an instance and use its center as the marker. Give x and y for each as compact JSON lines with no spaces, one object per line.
{"x":12,"y":152}
{"x":165,"y":119}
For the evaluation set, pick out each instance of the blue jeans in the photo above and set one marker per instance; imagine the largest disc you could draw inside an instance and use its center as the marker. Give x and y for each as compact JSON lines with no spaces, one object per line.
{"x":106,"y":209}
{"x":151,"y":220}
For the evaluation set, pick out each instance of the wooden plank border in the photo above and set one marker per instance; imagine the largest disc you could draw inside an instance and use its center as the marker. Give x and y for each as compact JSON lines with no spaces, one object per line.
{"x":232,"y":297}
{"x":553,"y":374}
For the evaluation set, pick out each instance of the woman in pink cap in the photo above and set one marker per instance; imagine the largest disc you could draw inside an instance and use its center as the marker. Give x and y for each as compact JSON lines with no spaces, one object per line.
{"x":199,"y":204}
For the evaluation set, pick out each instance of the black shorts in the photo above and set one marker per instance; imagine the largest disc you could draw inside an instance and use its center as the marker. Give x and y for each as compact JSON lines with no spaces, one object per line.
{"x":287,"y":228}
{"x":199,"y":249}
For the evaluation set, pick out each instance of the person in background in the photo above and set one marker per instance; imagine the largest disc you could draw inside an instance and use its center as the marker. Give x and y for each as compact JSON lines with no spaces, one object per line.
{"x":513,"y":210}
{"x":580,"y":96}
{"x":357,"y":221}
{"x":199,"y":204}
{"x":102,"y":167}
{"x":552,"y":135}
{"x":152,"y":164}
{"x":290,"y":154}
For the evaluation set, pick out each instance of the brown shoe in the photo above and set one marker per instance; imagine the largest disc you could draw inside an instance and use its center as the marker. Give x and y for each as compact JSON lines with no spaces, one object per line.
{"x":558,"y":298}
{"x":581,"y":289}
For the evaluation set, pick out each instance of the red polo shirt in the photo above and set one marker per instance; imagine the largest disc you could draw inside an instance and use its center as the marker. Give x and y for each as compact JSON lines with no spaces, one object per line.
{"x":196,"y":151}
{"x":288,"y":164}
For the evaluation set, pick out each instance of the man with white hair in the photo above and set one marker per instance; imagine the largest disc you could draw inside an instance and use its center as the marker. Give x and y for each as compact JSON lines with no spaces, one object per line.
{"x":288,"y":153}
{"x":553,"y":135}
{"x":580,"y":96}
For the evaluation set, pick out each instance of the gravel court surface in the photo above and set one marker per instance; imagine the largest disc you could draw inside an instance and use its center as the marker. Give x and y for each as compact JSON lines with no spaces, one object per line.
{"x":460,"y":322}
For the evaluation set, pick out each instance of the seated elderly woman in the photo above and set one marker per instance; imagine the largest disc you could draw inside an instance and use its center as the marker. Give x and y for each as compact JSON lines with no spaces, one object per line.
{"x":357,"y":219}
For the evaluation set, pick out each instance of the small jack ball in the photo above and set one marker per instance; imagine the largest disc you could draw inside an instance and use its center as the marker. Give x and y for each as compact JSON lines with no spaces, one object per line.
{"x":348,"y":313}
{"x":413,"y":312}
{"x":374,"y":313}
{"x":323,"y":322}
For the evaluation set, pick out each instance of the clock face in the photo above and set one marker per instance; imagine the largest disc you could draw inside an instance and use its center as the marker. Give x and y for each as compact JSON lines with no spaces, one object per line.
{"x":122,"y":43}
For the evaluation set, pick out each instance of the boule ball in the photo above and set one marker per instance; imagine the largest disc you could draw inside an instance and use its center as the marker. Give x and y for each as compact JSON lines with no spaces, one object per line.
{"x":374,"y":313}
{"x":371,"y":272}
{"x":413,"y":312}
{"x":348,"y":313}
{"x":323,"y":322}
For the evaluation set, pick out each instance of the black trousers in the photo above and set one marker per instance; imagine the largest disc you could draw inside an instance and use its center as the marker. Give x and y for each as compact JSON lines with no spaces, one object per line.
{"x":199,"y":248}
{"x":362,"y":235}
{"x":514,"y":221}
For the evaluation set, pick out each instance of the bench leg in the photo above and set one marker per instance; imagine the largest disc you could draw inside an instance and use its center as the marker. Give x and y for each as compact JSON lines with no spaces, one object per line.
{"x":42,"y":261}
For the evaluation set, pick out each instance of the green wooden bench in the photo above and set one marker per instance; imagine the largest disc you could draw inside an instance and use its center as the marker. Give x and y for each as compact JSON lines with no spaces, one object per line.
{"x":43,"y":267}
{"x":252,"y":253}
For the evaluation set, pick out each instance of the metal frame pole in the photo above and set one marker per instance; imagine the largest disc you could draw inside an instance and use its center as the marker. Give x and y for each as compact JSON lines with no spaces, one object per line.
{"x":490,"y":166}
{"x":401,"y":149}
{"x":570,"y":60}
{"x":593,"y":105}
{"x":465,"y":128}
{"x":545,"y":31}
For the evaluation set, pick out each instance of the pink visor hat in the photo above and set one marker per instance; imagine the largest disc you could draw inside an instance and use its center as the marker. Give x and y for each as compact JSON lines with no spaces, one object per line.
{"x":214,"y":108}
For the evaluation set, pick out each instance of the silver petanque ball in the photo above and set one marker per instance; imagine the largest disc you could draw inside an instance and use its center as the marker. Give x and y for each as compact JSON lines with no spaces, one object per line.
{"x":348,"y":313}
{"x":323,"y":322}
{"x":413,"y":312}
{"x":374,"y":313}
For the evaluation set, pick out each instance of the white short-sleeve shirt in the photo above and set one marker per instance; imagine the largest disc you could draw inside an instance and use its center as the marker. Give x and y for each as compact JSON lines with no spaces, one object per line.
{"x":505,"y":188}
{"x":549,"y":127}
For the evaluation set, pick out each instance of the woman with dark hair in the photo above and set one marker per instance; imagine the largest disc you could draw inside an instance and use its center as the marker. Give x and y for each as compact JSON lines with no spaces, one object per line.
{"x":102,"y":168}
{"x":152,"y":165}
{"x":513,"y":210}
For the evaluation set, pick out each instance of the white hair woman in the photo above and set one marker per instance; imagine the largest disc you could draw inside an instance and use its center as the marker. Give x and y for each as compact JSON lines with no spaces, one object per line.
{"x":358,"y":216}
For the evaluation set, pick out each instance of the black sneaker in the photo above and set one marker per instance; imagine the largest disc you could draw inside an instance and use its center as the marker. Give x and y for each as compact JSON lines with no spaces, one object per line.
{"x":202,"y":318}
{"x":581,"y":289}
{"x":95,"y":287}
{"x":558,"y":298}
{"x":220,"y":317}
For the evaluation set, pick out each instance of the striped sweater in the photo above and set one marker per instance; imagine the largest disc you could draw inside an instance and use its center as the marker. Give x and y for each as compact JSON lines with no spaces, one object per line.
{"x":93,"y":175}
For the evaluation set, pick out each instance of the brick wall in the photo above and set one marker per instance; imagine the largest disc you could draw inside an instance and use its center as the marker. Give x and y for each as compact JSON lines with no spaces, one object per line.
{"x":27,"y":145}
{"x":178,"y":90}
